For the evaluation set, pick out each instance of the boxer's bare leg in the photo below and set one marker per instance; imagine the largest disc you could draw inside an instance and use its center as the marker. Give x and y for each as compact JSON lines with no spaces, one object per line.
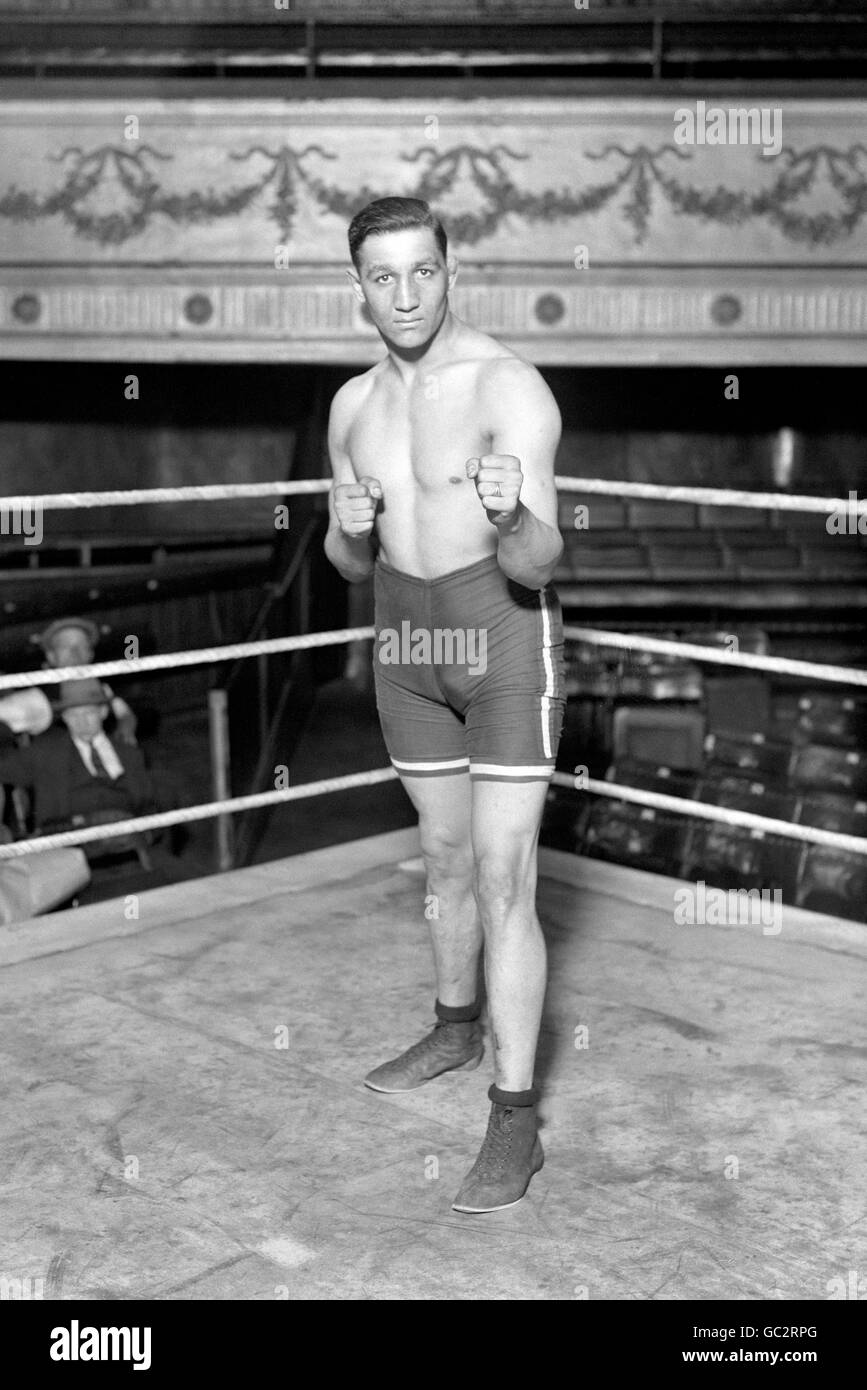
{"x":505,"y":831}
{"x":444,"y":806}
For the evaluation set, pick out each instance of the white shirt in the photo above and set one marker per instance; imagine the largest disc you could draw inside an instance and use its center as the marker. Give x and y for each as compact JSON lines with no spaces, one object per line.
{"x":112,"y":763}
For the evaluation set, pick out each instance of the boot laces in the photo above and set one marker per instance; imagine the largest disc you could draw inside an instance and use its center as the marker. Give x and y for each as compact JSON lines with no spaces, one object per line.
{"x":497,"y":1145}
{"x":427,"y":1044}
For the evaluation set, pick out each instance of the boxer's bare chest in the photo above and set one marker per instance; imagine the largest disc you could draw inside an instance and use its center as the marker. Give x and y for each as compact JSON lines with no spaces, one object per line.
{"x":416,"y":440}
{"x":420,"y":436}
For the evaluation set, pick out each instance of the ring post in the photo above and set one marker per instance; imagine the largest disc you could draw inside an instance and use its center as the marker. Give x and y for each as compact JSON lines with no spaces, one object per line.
{"x":218,"y":723}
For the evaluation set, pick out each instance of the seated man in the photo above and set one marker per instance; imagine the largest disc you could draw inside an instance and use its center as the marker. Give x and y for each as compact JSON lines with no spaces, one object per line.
{"x":23,"y":714}
{"x":75,"y":773}
{"x":72,"y":642}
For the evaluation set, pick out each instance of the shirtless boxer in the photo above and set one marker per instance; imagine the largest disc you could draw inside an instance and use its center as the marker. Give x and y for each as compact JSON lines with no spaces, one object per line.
{"x":443,"y":462}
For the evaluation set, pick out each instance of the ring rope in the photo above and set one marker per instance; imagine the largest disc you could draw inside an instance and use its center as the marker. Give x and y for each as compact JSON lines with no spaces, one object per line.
{"x":61,"y":839}
{"x":782,"y":665}
{"x":605,"y":487}
{"x":655,"y":492}
{"x":713,"y":496}
{"x":130,"y":497}
{"x":184,"y":814}
{"x":726,"y":815}
{"x":163,"y":661}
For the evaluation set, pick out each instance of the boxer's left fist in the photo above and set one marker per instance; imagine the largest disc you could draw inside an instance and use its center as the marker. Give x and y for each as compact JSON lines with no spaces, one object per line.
{"x":498,"y":480}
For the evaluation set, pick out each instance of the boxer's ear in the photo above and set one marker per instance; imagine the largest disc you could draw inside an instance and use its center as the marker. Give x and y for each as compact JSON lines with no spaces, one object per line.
{"x":453,"y":268}
{"x":356,"y":285}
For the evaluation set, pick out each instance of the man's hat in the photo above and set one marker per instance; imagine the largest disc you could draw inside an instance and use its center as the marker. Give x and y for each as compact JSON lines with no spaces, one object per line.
{"x":87,"y":625}
{"x":72,"y":694}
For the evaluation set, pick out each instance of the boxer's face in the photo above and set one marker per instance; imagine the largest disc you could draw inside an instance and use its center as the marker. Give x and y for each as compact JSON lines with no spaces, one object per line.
{"x":70,"y":646}
{"x":404,"y":281}
{"x":85,"y":721}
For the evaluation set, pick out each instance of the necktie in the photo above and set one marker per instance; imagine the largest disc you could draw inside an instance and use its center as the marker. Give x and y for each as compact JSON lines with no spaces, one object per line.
{"x":99,"y":768}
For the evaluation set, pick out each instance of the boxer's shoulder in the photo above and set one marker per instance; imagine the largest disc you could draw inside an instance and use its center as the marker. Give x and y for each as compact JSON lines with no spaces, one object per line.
{"x":354,"y":391}
{"x":477,"y":349}
{"x":346,"y":403}
{"x":510,"y":383}
{"x":508,"y":369}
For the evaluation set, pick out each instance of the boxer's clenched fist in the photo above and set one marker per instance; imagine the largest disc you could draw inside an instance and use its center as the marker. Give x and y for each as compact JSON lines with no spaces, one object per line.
{"x":498,"y":480}
{"x":355,"y":506}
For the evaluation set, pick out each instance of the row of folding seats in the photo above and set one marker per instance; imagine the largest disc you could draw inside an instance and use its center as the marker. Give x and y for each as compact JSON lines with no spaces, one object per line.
{"x":590,"y":512}
{"x":666,"y":555}
{"x":746,"y":747}
{"x":612,"y":539}
{"x":825,"y":879}
{"x":731,"y":855}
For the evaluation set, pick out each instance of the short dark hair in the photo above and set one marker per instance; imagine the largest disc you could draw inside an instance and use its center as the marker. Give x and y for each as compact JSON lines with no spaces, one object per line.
{"x":394,"y":215}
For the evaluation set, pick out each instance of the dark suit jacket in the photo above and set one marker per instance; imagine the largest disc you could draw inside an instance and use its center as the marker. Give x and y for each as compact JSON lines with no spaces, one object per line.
{"x":50,"y":767}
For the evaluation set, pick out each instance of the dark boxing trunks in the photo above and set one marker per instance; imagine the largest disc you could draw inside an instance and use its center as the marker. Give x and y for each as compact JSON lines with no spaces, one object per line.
{"x":469,"y":673}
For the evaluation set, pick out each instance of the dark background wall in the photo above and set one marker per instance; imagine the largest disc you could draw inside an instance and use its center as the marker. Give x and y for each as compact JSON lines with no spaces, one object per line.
{"x":68,"y":426}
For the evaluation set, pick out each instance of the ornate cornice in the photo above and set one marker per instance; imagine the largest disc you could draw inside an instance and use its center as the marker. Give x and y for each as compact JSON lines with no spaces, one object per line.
{"x":550,"y":317}
{"x":637,"y":176}
{"x":584,"y":231}
{"x":71,"y":173}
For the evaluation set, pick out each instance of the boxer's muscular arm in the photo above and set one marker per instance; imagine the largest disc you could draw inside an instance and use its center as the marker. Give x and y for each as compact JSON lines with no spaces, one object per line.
{"x":352,"y":555}
{"x":525,"y":426}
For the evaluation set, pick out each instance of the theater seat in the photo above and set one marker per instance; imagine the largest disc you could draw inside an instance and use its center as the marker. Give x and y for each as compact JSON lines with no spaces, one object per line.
{"x":659,"y":737}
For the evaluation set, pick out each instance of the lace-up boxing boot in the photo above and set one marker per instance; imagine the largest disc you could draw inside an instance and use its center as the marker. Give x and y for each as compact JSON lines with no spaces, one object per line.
{"x":510,"y":1155}
{"x":455,"y":1044}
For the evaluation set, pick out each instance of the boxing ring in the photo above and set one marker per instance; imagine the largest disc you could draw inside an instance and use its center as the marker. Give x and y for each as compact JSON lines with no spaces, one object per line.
{"x":186,"y":1115}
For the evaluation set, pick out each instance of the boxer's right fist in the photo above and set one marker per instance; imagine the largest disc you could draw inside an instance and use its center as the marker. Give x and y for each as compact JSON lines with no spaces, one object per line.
{"x":355,"y":506}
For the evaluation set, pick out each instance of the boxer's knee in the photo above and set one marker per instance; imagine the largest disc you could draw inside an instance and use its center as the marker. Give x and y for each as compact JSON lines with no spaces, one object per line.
{"x":505,"y":883}
{"x":448,"y":856}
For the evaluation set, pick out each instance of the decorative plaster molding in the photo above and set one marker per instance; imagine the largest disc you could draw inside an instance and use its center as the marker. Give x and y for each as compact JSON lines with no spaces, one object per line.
{"x":319,"y":317}
{"x":639,"y":175}
{"x":167,"y":246}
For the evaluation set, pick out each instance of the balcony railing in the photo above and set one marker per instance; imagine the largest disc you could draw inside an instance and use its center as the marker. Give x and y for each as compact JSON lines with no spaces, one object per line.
{"x":648,"y":40}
